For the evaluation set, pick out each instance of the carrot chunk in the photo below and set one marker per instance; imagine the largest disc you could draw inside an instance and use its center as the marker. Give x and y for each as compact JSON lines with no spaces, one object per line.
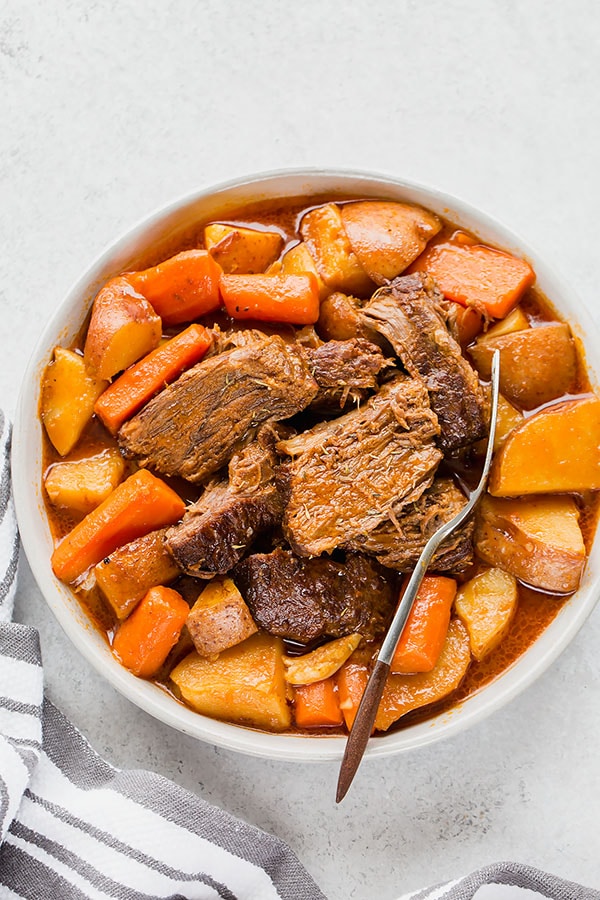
{"x":316,"y":705}
{"x":351,"y":683}
{"x":425,"y":632}
{"x":138,"y":384}
{"x":181,"y":288}
{"x":140,"y":504}
{"x":272,"y":298}
{"x":144,"y":640}
{"x":475,"y":273}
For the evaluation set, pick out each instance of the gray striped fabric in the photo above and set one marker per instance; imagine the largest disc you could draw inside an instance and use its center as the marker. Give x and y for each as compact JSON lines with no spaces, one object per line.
{"x":74,"y":827}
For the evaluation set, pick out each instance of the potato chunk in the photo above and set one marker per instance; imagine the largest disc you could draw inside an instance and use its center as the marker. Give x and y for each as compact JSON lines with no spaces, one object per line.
{"x":336,"y":262}
{"x":387,"y":237}
{"x":536,"y":364}
{"x":298,"y":260}
{"x":321,"y":663}
{"x":555,"y":450}
{"x":537,"y":540}
{"x":403,"y":693}
{"x":82,"y":484}
{"x":129,"y":572}
{"x":242,"y":251}
{"x":486,"y":605}
{"x":514,"y":321}
{"x":244,"y":684}
{"x":123,"y":328}
{"x":219,"y":618}
{"x":69,"y":392}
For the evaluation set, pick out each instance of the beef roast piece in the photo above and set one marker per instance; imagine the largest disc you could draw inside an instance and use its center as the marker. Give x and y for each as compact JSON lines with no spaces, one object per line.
{"x":193,"y":426}
{"x":408,"y":313}
{"x":216,"y":531}
{"x":219,"y":528}
{"x":346,"y":371}
{"x":306,"y":599}
{"x":347,"y":474}
{"x":398,"y":542}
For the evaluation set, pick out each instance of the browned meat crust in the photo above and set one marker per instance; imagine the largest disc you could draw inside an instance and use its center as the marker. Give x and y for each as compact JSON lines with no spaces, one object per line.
{"x":307,"y":599}
{"x":347,"y":474}
{"x":346,"y":371}
{"x":216,"y":531}
{"x":398,"y":542}
{"x":193,"y":427}
{"x":409,"y":315}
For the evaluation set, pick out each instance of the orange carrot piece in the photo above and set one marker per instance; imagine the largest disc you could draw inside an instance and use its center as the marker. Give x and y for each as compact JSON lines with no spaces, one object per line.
{"x":425,"y":632}
{"x":144,"y":640}
{"x":316,"y":705}
{"x":351,"y":683}
{"x":475,"y":273}
{"x":138,"y":505}
{"x":181,"y":288}
{"x":272,"y":298}
{"x":138,"y":384}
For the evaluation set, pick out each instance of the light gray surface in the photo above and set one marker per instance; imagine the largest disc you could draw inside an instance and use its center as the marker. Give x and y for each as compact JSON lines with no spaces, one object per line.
{"x":109,"y":110}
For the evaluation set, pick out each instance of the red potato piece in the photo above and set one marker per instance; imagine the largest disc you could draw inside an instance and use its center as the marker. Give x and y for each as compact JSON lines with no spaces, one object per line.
{"x":131,"y":570}
{"x":123,"y":328}
{"x":403,"y":693}
{"x":69,"y":391}
{"x":325,"y":236}
{"x":242,"y":251}
{"x":298,"y":261}
{"x":553,"y":451}
{"x":181,"y":288}
{"x":486,"y":605}
{"x":537,"y":540}
{"x":537,"y":365}
{"x":387,"y":237}
{"x":219,"y":618}
{"x":82,"y":484}
{"x":244,"y":684}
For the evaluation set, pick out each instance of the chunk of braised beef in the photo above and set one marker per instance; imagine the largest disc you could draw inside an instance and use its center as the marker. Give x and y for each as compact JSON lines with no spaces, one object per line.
{"x":303,"y":600}
{"x":410,"y":314}
{"x":347,"y":474}
{"x":195,"y":425}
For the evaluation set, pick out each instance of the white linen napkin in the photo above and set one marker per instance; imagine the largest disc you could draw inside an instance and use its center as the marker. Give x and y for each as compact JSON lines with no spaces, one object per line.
{"x":74,"y":827}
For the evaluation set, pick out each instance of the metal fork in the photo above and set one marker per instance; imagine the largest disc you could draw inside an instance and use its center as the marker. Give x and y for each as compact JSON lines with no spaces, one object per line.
{"x":369,"y":704}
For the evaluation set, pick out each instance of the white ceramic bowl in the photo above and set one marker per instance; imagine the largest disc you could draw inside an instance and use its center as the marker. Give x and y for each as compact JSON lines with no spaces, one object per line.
{"x":164,"y":227}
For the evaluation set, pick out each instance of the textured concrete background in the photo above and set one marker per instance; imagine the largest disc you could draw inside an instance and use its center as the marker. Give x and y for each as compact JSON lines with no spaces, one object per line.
{"x":110,"y":109}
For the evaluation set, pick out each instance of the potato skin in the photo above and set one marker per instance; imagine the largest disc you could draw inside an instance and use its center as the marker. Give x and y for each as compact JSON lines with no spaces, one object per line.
{"x":242,"y":251}
{"x":387,"y":236}
{"x":538,"y":540}
{"x":536,"y":364}
{"x":219,"y":618}
{"x":337,"y":264}
{"x":123,"y":328}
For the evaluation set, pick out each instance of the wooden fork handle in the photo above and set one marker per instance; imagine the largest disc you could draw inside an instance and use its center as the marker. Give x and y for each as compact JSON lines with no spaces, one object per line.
{"x":362,"y":728}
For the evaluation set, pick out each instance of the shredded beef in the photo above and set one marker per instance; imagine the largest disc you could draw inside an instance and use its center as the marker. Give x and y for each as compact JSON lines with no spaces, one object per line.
{"x":347,"y":474}
{"x":398,"y":542}
{"x":408,"y":313}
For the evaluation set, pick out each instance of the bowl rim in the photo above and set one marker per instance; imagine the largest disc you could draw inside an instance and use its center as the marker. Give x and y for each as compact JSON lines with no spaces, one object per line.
{"x":152,"y":699}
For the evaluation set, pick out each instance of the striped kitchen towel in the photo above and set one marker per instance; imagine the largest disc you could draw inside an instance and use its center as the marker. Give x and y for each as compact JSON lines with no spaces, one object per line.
{"x":73,"y":827}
